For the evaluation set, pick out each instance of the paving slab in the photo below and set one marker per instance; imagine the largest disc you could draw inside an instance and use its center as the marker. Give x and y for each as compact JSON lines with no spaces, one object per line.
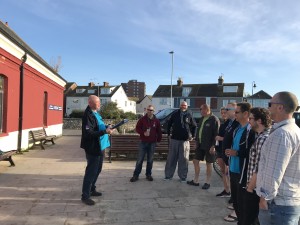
{"x":45,"y":188}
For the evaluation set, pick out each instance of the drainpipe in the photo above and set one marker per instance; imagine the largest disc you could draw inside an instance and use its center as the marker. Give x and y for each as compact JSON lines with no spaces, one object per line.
{"x":20,"y":127}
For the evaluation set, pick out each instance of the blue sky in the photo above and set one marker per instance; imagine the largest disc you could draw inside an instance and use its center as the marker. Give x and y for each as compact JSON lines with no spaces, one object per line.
{"x":120,"y":40}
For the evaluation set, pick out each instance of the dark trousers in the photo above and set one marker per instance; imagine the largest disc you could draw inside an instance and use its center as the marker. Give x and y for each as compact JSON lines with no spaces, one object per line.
{"x":249,"y":207}
{"x":145,"y":148}
{"x":234,"y":186}
{"x":92,"y":171}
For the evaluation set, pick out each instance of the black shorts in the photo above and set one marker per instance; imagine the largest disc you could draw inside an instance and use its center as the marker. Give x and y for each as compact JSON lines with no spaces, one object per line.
{"x":201,"y":154}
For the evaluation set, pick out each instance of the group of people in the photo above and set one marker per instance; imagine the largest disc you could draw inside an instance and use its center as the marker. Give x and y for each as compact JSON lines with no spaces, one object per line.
{"x":263,"y":161}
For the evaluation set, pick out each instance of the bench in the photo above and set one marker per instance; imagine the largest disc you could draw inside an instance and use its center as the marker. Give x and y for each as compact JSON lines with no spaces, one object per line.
{"x":127,"y":145}
{"x":40,"y":138}
{"x":7,"y":156}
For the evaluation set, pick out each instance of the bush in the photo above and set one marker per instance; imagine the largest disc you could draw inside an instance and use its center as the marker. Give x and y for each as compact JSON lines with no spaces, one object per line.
{"x":76,"y":113}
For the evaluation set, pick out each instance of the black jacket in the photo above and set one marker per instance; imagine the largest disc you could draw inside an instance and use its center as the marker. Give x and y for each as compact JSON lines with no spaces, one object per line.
{"x":90,"y":133}
{"x":182,"y":128}
{"x":209,"y":132}
{"x":246,"y":141}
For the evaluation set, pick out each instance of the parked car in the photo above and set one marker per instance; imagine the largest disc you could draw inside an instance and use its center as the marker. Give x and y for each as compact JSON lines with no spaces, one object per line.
{"x":164,"y":116}
{"x":296,"y":115}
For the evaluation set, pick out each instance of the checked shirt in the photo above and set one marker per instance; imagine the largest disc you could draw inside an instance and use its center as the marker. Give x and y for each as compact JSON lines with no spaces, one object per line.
{"x":254,"y":154}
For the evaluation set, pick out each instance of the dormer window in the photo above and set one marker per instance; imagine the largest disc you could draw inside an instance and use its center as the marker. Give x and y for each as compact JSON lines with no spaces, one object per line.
{"x":232,"y":89}
{"x":80,"y":90}
{"x":105,"y":90}
{"x":186,"y":91}
{"x":91,"y":91}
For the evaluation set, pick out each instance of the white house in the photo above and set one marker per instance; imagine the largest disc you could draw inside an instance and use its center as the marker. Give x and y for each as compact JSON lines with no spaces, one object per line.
{"x":77,"y":99}
{"x":143,"y":104}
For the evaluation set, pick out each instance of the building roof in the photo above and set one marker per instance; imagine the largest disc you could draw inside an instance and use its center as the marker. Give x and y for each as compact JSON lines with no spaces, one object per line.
{"x":200,"y":90}
{"x":85,"y":93}
{"x":261,"y":95}
{"x":146,"y":96}
{"x":14,"y":38}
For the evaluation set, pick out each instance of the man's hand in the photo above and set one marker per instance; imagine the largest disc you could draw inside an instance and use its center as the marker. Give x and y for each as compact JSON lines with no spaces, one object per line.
{"x":109,"y":130}
{"x":263,"y":204}
{"x":212,"y":150}
{"x":230,"y":152}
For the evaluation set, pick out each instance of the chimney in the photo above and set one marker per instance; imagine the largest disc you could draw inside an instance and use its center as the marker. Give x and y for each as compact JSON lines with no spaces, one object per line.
{"x":105,"y":84}
{"x":179,"y":82}
{"x":220,"y":81}
{"x":91,"y":84}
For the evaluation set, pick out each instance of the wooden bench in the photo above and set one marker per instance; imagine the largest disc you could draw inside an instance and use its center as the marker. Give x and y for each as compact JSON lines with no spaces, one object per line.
{"x":127,"y":145}
{"x":7,"y":156}
{"x":40,"y":138}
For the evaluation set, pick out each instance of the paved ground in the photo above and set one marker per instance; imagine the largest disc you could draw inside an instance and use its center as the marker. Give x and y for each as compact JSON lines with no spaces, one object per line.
{"x":45,"y":188}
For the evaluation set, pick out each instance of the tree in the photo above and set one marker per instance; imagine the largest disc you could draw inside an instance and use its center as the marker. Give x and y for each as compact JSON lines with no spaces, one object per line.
{"x":56,"y":64}
{"x":110,"y":111}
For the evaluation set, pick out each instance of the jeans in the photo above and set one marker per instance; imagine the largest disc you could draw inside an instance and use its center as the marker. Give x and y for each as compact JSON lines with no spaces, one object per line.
{"x":279,"y":215}
{"x":92,"y":171}
{"x":145,"y":148}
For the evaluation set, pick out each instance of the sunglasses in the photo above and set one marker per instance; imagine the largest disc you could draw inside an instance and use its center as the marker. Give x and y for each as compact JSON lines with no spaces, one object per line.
{"x":271,"y":103}
{"x":151,"y":110}
{"x":237,"y":112}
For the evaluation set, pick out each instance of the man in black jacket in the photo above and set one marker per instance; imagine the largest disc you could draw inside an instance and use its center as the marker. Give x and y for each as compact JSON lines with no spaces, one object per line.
{"x":183,"y":130}
{"x":94,"y":141}
{"x":205,"y":139}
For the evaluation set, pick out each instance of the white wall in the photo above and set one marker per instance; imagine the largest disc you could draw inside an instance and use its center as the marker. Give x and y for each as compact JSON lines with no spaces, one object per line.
{"x":156,"y":103}
{"x":123,"y":102}
{"x":143,"y":104}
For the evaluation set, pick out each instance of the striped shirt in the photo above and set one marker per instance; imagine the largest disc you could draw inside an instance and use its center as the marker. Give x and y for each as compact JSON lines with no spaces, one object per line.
{"x":278,"y":176}
{"x":254,"y":154}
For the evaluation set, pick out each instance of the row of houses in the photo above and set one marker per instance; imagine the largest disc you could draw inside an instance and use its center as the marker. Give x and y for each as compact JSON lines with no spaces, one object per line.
{"x":216,"y":95}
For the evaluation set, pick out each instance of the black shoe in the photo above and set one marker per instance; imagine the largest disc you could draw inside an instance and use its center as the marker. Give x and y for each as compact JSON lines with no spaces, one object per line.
{"x":150,"y":178}
{"x":96,"y":193}
{"x":205,"y":186}
{"x":88,"y":201}
{"x":230,"y":201}
{"x":192,"y":183}
{"x":224,"y":194}
{"x":134,"y":179}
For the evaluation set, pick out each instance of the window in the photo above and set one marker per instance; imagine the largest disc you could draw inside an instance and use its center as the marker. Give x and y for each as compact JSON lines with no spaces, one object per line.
{"x":208,"y":101}
{"x":105,"y":91}
{"x":103,"y":101}
{"x":186,"y":91}
{"x":80,"y":90}
{"x":230,"y":89}
{"x":163,"y":101}
{"x":91,"y":91}
{"x":2,"y":103}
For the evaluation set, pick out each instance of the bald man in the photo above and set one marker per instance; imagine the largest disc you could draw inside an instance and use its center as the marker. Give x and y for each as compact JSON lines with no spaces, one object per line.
{"x":94,"y":141}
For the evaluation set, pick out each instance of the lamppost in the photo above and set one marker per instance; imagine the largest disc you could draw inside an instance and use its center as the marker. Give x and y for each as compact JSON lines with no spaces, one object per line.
{"x":98,"y":89}
{"x":253,"y":86}
{"x":172,"y":53}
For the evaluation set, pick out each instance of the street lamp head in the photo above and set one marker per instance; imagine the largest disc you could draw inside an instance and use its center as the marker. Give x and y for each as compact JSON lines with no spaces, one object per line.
{"x":24,"y":58}
{"x":171,"y":52}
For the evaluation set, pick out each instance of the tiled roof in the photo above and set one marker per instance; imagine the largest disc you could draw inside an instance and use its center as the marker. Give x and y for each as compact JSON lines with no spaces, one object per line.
{"x":95,"y":88}
{"x":200,"y":90}
{"x":261,"y":95}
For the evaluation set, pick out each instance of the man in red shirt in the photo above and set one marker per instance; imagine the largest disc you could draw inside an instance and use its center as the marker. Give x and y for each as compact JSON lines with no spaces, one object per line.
{"x":148,"y":127}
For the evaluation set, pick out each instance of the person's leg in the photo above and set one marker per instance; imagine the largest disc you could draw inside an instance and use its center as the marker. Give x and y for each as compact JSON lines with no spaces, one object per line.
{"x":209,"y":168}
{"x":287,"y":215}
{"x":197,"y":170}
{"x":100,"y":164}
{"x":150,"y":155}
{"x":140,"y":159}
{"x":224,"y":172}
{"x":249,"y":208}
{"x":171,"y":159}
{"x":90,"y":173}
{"x":183,"y":159}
